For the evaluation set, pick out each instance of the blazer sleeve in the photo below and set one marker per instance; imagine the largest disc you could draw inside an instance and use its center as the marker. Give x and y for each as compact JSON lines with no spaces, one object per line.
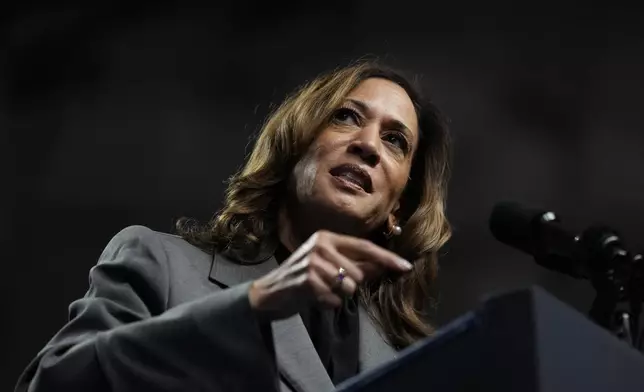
{"x":122,"y":337}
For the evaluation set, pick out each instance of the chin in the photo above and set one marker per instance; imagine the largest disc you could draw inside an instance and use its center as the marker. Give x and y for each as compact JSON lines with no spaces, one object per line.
{"x":339,"y":209}
{"x":339,"y":213}
{"x":342,"y":204}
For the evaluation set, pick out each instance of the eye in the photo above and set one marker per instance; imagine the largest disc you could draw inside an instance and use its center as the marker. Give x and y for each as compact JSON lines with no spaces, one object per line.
{"x":397,"y":140}
{"x":346,"y":116}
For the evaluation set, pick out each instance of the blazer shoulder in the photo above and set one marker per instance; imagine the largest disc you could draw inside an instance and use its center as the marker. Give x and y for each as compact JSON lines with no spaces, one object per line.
{"x":135,"y":237}
{"x":145,"y":235}
{"x":156,"y":242}
{"x":177,"y":242}
{"x":136,"y":232}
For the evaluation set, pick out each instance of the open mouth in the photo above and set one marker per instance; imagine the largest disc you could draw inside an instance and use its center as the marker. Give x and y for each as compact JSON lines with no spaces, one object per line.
{"x":353,"y":174}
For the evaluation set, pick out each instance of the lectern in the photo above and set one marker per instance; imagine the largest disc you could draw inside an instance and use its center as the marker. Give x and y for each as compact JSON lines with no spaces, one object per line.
{"x":525,"y":341}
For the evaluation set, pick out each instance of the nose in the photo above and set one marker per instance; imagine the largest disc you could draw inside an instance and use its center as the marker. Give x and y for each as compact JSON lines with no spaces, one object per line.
{"x":366,"y":145}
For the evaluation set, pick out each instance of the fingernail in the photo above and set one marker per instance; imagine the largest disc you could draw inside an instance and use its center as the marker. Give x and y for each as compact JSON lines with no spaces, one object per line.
{"x":405,"y":264}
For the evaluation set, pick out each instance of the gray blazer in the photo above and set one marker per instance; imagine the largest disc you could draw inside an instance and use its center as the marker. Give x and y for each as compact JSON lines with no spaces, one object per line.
{"x":162,"y":315}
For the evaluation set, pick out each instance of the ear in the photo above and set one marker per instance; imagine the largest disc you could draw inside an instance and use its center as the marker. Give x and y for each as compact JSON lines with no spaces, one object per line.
{"x":392,"y":219}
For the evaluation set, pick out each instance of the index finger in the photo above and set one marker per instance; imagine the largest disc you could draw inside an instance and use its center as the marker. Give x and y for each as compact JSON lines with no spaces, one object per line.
{"x":358,"y":247}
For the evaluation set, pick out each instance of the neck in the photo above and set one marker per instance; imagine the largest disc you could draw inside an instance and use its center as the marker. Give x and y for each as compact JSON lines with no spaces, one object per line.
{"x":286,"y":234}
{"x":295,"y":226}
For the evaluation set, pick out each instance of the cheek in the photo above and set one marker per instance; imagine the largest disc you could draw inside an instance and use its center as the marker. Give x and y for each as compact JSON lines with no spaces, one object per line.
{"x":396,"y":186}
{"x":304,"y":174}
{"x":396,"y":194}
{"x":319,"y":158}
{"x":396,"y":175}
{"x":331,"y":142}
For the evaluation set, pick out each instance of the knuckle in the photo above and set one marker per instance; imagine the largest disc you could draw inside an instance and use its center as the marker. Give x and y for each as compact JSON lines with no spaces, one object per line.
{"x":308,"y":260}
{"x":306,"y":282}
{"x":308,"y":279}
{"x":301,"y":280}
{"x":350,"y":286}
{"x":323,"y":232}
{"x":313,"y":261}
{"x":316,"y":247}
{"x":365,"y":243}
{"x":319,"y":247}
{"x":322,"y":236}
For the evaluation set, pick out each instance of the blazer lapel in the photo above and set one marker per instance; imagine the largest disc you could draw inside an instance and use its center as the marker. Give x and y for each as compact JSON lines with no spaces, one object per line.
{"x":297,"y":359}
{"x":373,"y":348}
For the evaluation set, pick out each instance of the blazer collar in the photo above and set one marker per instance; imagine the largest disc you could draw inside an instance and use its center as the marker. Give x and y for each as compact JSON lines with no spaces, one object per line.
{"x":297,"y":358}
{"x":229,"y":273}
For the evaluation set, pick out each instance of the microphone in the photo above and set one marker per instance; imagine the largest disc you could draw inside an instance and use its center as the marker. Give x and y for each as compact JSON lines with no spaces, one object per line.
{"x":597,"y":254}
{"x":540,"y":233}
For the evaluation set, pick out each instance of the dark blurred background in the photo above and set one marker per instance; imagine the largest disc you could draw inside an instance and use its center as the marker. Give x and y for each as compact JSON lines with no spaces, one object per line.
{"x":118,"y":115}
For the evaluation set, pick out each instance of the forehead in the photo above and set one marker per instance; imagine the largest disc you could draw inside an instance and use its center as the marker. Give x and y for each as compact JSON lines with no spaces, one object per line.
{"x":387,"y":99}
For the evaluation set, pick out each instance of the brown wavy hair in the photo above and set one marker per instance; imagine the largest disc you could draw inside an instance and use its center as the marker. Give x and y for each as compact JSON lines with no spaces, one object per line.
{"x":246,"y":226}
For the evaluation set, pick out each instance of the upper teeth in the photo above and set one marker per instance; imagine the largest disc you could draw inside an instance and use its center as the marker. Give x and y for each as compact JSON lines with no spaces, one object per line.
{"x":352,"y":177}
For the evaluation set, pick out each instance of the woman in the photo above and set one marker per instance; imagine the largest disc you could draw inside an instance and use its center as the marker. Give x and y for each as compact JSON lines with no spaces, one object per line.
{"x":300,"y":281}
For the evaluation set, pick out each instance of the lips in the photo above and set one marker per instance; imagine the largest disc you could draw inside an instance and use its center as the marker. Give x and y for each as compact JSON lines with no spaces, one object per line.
{"x":354,"y":174}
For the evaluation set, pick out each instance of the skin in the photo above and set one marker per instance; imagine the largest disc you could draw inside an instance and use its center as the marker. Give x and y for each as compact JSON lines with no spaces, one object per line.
{"x":382,"y":141}
{"x":325,"y":221}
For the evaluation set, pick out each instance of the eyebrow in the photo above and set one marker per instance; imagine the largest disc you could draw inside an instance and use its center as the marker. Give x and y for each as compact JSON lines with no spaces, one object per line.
{"x":363,"y":106}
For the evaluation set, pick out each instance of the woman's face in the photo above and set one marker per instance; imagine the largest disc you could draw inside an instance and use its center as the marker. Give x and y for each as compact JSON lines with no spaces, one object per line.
{"x":357,"y":168}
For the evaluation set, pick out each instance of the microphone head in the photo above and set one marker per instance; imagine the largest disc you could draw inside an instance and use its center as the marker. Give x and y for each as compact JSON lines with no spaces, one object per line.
{"x":539,"y":233}
{"x":513,"y":225}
